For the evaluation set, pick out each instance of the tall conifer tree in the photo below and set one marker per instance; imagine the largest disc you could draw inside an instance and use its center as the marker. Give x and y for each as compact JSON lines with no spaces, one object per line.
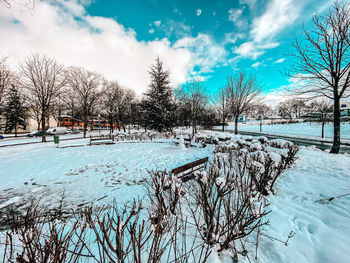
{"x":159,"y":104}
{"x":15,"y":112}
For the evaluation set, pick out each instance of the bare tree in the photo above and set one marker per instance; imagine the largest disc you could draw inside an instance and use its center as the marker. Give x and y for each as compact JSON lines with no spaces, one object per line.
{"x":85,"y":85}
{"x":285,"y":110}
{"x":292,"y":108}
{"x":116,"y":103}
{"x":108,"y":99}
{"x":299,"y":107}
{"x":259,"y":112}
{"x":243,"y":91}
{"x":30,"y":4}
{"x":194,"y":95}
{"x":58,"y":108}
{"x":323,"y":108}
{"x":5,"y":80}
{"x":323,"y":61}
{"x":222,"y":105}
{"x":35,"y":110}
{"x":129,"y":99}
{"x":44,"y":80}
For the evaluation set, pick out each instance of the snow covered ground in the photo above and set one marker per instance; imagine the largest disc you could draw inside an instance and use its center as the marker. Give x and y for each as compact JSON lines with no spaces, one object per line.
{"x":85,"y":174}
{"x":101,"y":173}
{"x":298,"y":129}
{"x":322,"y":227}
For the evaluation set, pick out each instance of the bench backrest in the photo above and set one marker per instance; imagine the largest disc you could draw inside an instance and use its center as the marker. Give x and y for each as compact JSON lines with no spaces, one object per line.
{"x":190,"y":167}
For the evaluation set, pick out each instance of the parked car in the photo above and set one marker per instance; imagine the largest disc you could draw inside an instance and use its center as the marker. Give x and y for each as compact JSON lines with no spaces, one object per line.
{"x":35,"y":134}
{"x":1,"y":137}
{"x":57,"y":131}
{"x":75,"y":131}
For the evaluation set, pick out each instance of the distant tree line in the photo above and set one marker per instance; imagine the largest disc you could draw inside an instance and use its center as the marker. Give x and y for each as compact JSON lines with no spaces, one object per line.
{"x":42,"y":88}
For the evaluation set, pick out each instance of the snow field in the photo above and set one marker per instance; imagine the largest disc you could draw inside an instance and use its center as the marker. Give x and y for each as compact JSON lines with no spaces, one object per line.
{"x":87,"y":174}
{"x":322,"y":227}
{"x":305,"y":129}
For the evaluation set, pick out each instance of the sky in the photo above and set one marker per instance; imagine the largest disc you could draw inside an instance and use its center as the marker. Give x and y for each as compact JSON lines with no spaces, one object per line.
{"x":206,"y":39}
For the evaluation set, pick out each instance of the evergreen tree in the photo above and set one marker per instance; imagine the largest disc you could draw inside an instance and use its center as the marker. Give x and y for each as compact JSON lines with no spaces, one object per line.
{"x":159,"y":106}
{"x":15,"y":113}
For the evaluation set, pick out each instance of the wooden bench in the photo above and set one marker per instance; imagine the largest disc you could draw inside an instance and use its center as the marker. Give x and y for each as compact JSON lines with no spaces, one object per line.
{"x":102,"y":139}
{"x":186,"y":172}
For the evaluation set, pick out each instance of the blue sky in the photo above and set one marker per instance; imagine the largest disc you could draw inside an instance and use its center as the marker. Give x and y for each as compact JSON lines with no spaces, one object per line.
{"x":229,"y":23}
{"x":121,"y":38}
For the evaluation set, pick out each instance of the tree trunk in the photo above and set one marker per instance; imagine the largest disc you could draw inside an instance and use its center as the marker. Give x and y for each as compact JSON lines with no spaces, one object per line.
{"x":323,"y":121}
{"x":260,"y":125}
{"x":193,"y":129}
{"x":110,"y":126}
{"x":43,"y":128}
{"x":223,"y":124}
{"x":236,"y":124}
{"x":322,"y":136}
{"x":85,"y":128}
{"x":16,"y":130}
{"x":336,"y":125}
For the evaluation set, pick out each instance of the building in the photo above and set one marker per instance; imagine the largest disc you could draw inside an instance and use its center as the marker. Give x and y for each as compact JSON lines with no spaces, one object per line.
{"x":71,"y":123}
{"x":31,"y":123}
{"x":345,"y":109}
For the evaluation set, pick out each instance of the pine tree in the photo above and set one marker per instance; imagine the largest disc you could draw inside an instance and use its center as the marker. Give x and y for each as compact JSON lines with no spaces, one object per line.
{"x":159,"y":105}
{"x":15,"y":113}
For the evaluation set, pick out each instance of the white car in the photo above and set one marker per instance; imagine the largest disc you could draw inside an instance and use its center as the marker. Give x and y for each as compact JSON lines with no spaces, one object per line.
{"x":57,"y":131}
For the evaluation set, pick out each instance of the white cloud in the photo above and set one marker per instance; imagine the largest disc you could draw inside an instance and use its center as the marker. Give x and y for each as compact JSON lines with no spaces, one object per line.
{"x":151,"y":31}
{"x":175,"y":28}
{"x":273,"y":98}
{"x":157,"y":23}
{"x":252,"y":49}
{"x":96,"y":43}
{"x":206,"y":52}
{"x":281,"y":60}
{"x":77,"y":9}
{"x":235,"y":14}
{"x":198,"y":12}
{"x":257,"y":64}
{"x":177,"y":11}
{"x":214,"y":13}
{"x":278,"y":15}
{"x":248,"y":49}
{"x":233,"y":37}
{"x":250,"y":3}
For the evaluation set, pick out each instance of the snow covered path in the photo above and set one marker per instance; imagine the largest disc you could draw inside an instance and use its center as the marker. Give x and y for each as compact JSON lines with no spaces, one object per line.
{"x":322,"y":228}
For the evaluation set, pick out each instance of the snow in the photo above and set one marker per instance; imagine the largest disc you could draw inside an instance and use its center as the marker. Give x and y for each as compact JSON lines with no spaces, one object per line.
{"x":182,"y":142}
{"x":101,"y":173}
{"x":308,"y":129}
{"x":85,"y":174}
{"x":322,"y":228}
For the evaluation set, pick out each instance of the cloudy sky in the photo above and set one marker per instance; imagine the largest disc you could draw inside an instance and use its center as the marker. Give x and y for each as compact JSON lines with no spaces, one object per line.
{"x":120,"y":38}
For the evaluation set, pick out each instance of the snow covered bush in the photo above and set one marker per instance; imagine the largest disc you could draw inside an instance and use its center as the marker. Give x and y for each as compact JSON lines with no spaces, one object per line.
{"x":226,"y":208}
{"x":38,"y":237}
{"x":223,"y":206}
{"x":262,"y":160}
